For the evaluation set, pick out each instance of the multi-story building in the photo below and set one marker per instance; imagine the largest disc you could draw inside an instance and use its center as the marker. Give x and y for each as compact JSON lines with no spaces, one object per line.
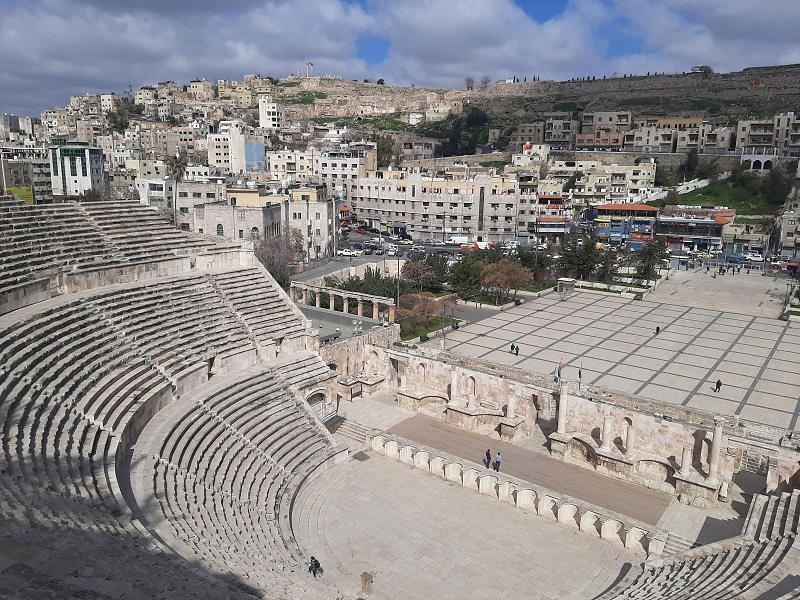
{"x":271,"y":114}
{"x":778,"y":135}
{"x":606,"y":121}
{"x":235,"y":150}
{"x":25,"y":172}
{"x":790,"y":232}
{"x":200,"y":89}
{"x":623,"y":222}
{"x":688,"y":232}
{"x":560,"y":130}
{"x":292,"y":166}
{"x":339,"y":170}
{"x":156,"y":192}
{"x":76,"y":168}
{"x":650,"y":138}
{"x":597,"y":183}
{"x":9,"y":127}
{"x":527,"y":133}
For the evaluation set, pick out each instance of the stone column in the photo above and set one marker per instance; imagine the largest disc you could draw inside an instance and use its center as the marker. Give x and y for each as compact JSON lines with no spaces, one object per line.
{"x":305,"y":296}
{"x":562,"y":414}
{"x":686,"y":460}
{"x":606,"y":439}
{"x":375,"y":310}
{"x":511,"y":406}
{"x":391,"y":314}
{"x":716,"y":445}
{"x":453,"y":380}
{"x":292,"y":293}
{"x":332,"y":299}
{"x":360,"y":307}
{"x":318,"y":298}
{"x":630,"y":440}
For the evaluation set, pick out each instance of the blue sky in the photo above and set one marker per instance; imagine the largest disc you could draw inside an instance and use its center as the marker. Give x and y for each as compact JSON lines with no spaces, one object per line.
{"x":52,"y":49}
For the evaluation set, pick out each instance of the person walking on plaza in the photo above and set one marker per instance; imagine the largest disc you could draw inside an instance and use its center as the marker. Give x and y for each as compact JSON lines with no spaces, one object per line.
{"x":516,"y":350}
{"x":314,"y":567}
{"x":708,"y":268}
{"x":497,"y":462}
{"x":718,"y":387}
{"x":512,"y":347}
{"x":658,"y":329}
{"x":488,"y":458}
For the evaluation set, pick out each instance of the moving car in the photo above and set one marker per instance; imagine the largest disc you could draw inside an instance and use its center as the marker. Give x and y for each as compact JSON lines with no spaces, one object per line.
{"x":406,"y":242}
{"x":346,"y":252}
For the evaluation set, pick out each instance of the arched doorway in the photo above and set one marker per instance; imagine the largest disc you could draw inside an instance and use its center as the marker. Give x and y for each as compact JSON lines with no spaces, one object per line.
{"x":317,"y":403}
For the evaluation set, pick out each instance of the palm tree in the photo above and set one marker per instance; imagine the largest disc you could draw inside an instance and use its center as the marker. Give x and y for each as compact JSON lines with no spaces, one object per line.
{"x":176,"y":167}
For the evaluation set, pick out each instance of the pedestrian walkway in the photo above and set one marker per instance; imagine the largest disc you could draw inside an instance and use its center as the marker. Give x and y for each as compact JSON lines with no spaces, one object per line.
{"x":612,"y":341}
{"x":615,"y":495}
{"x":423,"y":538}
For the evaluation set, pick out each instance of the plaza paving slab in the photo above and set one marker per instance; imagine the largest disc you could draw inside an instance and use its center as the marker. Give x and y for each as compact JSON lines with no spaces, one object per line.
{"x":614,"y":341}
{"x":422,"y":537}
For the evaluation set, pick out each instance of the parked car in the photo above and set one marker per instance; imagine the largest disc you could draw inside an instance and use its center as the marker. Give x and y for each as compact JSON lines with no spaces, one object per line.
{"x":406,"y":242}
{"x":754,"y":257}
{"x":428,"y":242}
{"x":439,"y":243}
{"x":405,"y":236}
{"x":358,"y":246}
{"x":368,"y":250}
{"x":362,"y":230}
{"x":379,"y":251}
{"x":737,"y":257}
{"x":346,"y":252}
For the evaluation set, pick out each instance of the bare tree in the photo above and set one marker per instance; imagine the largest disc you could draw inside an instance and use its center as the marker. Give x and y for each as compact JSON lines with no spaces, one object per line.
{"x":505,"y":276}
{"x":280,"y":253}
{"x":485,"y":81}
{"x":469,"y":82}
{"x":418,"y":272}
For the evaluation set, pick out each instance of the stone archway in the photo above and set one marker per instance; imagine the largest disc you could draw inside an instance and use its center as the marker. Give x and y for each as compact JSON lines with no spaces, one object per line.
{"x":756,"y":165}
{"x":317,"y":403}
{"x":767,"y":165}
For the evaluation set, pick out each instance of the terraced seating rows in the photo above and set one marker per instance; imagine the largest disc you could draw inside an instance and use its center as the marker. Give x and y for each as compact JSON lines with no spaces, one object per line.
{"x":254,"y":296}
{"x":222,"y":465}
{"x":744,"y":567}
{"x":39,"y":238}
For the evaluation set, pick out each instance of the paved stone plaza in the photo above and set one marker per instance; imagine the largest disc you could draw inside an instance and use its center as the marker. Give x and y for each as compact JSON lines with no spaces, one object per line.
{"x":614,"y":341}
{"x":422,"y":537}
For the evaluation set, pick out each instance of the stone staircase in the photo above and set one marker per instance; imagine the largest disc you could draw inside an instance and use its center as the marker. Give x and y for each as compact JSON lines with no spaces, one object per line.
{"x":676,"y":544}
{"x":353,"y":430}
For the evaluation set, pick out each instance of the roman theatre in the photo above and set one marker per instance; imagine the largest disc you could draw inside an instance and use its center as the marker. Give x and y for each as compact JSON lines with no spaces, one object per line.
{"x":176,"y":425}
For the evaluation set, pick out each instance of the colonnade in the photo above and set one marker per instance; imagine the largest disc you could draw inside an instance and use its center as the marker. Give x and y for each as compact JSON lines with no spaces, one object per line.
{"x":303,"y":290}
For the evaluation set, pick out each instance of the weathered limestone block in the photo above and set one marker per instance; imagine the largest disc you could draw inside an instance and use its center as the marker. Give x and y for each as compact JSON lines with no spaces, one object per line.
{"x":589,"y":521}
{"x":470,"y":477}
{"x":407,"y":454}
{"x":452,"y":472}
{"x":422,"y":460}
{"x":392,"y":449}
{"x":636,"y":538}
{"x":566,"y":513}
{"x":378,"y":443}
{"x":487,"y":484}
{"x":505,"y":492}
{"x":437,"y":466}
{"x":612,"y":530}
{"x":526,"y":499}
{"x":546,"y":506}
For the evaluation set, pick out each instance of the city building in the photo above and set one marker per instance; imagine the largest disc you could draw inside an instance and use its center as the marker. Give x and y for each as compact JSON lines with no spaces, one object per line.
{"x":338,"y":170}
{"x":271,"y":114}
{"x":692,"y":233}
{"x":25,"y":172}
{"x":619,"y":223}
{"x":76,"y":168}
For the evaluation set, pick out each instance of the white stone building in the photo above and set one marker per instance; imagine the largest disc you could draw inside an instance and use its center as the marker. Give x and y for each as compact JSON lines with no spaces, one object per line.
{"x":76,"y":168}
{"x":271,"y":114}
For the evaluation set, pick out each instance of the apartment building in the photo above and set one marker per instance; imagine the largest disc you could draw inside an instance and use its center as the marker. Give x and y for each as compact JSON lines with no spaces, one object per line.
{"x":338,"y":170}
{"x":271,"y":114}
{"x":606,"y":121}
{"x":200,"y":89}
{"x":292,"y":166}
{"x":790,"y":232}
{"x":558,"y":130}
{"x":76,"y":168}
{"x":25,"y":172}
{"x":623,"y":222}
{"x":235,"y":150}
{"x":777,"y":135}
{"x":596,"y":183}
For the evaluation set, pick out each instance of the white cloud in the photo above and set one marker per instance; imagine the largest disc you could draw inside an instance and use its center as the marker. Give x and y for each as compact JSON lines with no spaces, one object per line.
{"x":52,"y":49}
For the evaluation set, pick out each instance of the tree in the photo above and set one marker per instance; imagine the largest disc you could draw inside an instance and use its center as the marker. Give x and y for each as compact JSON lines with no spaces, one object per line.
{"x":650,"y":257}
{"x":176,"y":167}
{"x":485,"y":81}
{"x":469,"y":82}
{"x":580,"y":260}
{"x":504,"y":277}
{"x":385,"y":148}
{"x":418,"y":272}
{"x":280,"y":253}
{"x":569,"y":184}
{"x":380,"y":81}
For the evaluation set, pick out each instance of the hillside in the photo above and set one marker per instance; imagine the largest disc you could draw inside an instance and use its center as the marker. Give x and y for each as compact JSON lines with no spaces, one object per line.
{"x":724,"y":98}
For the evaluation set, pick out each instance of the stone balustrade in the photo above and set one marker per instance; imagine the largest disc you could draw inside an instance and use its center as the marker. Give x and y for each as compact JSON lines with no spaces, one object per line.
{"x":303,"y":292}
{"x":570,"y":512}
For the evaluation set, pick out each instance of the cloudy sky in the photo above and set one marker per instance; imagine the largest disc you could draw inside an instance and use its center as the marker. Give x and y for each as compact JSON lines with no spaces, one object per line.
{"x":52,"y":49}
